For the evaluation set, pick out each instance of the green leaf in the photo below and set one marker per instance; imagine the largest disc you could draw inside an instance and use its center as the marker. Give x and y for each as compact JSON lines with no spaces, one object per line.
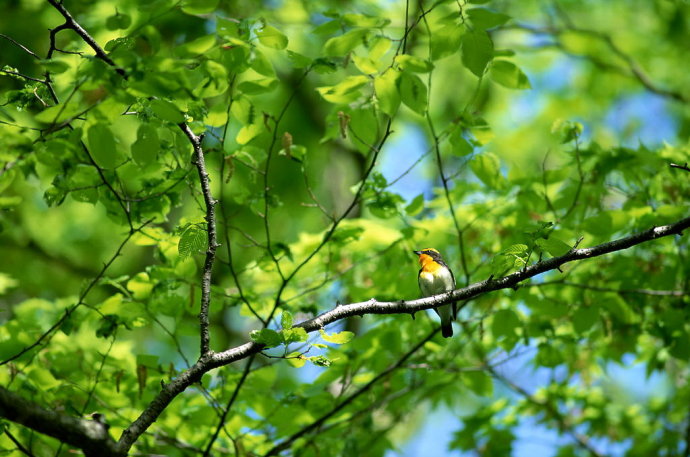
{"x":337,"y":338}
{"x":363,"y":20}
{"x":477,"y":51}
{"x":505,"y":322}
{"x":413,"y":92}
{"x":245,"y":112}
{"x":272,"y":37}
{"x":296,"y":359}
{"x":413,"y":63}
{"x":584,"y":318}
{"x":461,"y":147}
{"x":478,"y":382}
{"x":548,"y":356}
{"x":345,"y":91}
{"x":167,"y":111}
{"x":258,"y":86}
{"x":320,"y":361}
{"x":55,"y":66}
{"x":108,"y":326}
{"x":446,"y":41}
{"x":385,"y":204}
{"x":140,"y":286}
{"x":346,"y":235}
{"x":6,"y":179}
{"x":295,"y":335}
{"x":566,"y":130}
{"x":195,"y":7}
{"x":286,"y":320}
{"x":378,"y":47}
{"x":248,"y":133}
{"x":103,"y":147}
{"x":266,"y":336}
{"x":365,"y":65}
{"x":553,"y":246}
{"x":507,"y":74}
{"x":147,"y":360}
{"x":196,"y":47}
{"x":58,"y":113}
{"x":341,"y":45}
{"x":193,"y":240}
{"x":486,"y":167}
{"x":484,"y":18}
{"x":299,"y":61}
{"x":145,"y":148}
{"x":415,"y":206}
{"x":386,"y":87}
{"x":118,"y":21}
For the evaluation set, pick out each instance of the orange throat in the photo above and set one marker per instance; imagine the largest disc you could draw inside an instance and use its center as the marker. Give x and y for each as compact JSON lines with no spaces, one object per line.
{"x":428,"y":264}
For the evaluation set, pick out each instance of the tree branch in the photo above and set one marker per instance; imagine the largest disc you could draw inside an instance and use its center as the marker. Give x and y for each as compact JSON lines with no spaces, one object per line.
{"x":200,"y":164}
{"x":214,"y":360}
{"x":79,"y":30}
{"x":681,"y":167}
{"x":90,"y":436}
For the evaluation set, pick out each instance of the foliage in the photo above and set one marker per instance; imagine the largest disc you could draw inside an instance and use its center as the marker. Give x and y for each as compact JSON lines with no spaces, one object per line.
{"x":307,"y":113}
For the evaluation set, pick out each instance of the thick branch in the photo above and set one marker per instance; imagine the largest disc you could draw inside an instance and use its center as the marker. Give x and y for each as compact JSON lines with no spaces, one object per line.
{"x":215,"y":360}
{"x":200,"y":164}
{"x":90,"y":436}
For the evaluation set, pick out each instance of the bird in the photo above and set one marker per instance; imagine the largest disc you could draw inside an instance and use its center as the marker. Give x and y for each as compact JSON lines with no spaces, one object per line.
{"x":435,"y":277}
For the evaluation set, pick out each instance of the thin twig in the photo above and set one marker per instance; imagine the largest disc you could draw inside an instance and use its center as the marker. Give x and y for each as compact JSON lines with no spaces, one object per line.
{"x":21,"y":46}
{"x":682,"y":167}
{"x":88,"y":39}
{"x":210,"y":203}
{"x":19,"y":445}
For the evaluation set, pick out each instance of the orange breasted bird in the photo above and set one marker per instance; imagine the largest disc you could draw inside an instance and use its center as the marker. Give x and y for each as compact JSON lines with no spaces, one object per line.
{"x":435,"y":278}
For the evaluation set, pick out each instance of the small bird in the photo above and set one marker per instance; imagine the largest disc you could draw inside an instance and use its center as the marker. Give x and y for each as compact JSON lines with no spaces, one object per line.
{"x":435,"y":278}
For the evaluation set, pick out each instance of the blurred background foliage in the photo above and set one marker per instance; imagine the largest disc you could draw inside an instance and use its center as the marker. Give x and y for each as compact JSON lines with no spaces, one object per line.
{"x":340,"y":136}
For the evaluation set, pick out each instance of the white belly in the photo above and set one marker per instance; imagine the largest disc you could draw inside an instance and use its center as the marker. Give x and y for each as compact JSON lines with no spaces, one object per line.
{"x":431,"y":284}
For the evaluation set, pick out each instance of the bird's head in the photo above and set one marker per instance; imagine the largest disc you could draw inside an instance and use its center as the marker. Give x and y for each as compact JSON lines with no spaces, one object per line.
{"x":427,"y":255}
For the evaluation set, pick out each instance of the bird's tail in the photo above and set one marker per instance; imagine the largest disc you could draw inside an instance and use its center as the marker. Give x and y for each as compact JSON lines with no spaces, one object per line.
{"x":447,"y":317}
{"x":446,"y":329}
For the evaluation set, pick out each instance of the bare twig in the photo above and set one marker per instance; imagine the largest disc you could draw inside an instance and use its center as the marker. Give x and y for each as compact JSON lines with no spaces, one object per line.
{"x":681,"y":167}
{"x":19,"y":45}
{"x":70,"y":23}
{"x":200,"y":164}
{"x":19,"y":445}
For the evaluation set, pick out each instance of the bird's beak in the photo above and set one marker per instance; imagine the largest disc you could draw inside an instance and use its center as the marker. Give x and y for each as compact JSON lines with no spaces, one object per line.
{"x":418,"y":252}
